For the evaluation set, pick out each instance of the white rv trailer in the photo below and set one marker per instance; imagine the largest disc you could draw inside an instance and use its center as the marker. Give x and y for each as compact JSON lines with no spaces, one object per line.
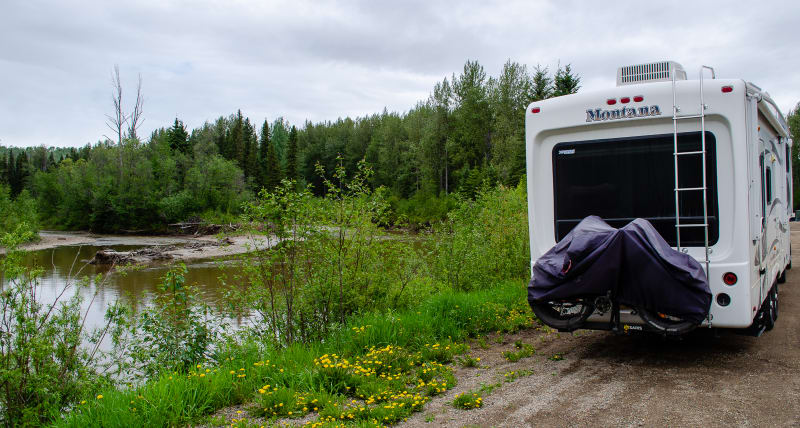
{"x":641,"y":149}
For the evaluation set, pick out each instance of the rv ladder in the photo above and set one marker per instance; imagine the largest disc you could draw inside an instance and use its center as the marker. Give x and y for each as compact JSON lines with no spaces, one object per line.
{"x":702,"y":152}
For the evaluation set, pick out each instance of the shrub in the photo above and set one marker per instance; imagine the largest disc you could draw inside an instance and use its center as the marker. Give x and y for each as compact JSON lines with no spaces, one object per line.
{"x":175,"y":333}
{"x":484,"y":240}
{"x":47,"y":360}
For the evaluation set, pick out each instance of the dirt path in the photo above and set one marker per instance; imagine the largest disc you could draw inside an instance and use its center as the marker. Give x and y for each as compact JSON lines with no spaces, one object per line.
{"x":609,"y":380}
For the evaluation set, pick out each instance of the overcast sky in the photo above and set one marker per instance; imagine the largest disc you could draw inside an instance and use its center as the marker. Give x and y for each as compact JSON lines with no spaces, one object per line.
{"x":323,"y":60}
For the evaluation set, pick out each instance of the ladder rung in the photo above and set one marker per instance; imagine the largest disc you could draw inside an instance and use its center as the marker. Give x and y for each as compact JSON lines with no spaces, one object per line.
{"x":683,"y":189}
{"x":698,"y":152}
{"x":687,"y":116}
{"x":692,"y":225}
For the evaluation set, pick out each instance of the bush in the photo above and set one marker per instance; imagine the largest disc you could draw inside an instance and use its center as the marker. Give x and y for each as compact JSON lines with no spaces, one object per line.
{"x":47,"y":360}
{"x":420,"y":210}
{"x":484,"y":240}
{"x":175,"y":333}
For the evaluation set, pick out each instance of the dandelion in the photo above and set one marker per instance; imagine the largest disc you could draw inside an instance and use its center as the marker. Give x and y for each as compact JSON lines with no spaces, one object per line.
{"x":100,"y":396}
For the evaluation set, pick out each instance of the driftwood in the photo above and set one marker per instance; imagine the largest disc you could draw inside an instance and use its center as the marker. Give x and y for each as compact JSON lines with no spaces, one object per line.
{"x":160,"y":252}
{"x":108,"y":256}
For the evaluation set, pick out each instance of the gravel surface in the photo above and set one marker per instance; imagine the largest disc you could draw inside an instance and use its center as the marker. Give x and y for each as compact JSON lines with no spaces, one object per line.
{"x":707,"y":379}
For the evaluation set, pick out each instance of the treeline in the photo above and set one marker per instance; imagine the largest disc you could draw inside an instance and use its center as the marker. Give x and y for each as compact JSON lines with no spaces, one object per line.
{"x":468,"y":133}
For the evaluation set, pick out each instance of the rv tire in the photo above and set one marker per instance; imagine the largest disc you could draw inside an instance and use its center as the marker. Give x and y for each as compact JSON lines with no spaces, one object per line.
{"x":552,"y":314}
{"x":667,"y":327}
{"x":771,"y":308}
{"x":782,"y":277}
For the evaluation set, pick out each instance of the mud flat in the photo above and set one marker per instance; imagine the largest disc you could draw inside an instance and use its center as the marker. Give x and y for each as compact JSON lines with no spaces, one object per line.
{"x":155,"y":248}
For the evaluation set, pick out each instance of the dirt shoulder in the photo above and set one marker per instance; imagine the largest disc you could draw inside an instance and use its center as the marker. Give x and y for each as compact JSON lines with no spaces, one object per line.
{"x":707,"y":379}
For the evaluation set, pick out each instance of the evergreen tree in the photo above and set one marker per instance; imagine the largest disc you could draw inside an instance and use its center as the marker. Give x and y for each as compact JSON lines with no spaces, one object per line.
{"x":542,"y":84}
{"x":3,"y":169}
{"x":51,"y":162}
{"x":263,"y":149}
{"x":178,"y":137}
{"x":236,"y":139}
{"x":565,"y":82}
{"x":291,"y":155}
{"x":20,"y":175}
{"x":221,"y":137}
{"x":273,"y":173}
{"x":250,"y":166}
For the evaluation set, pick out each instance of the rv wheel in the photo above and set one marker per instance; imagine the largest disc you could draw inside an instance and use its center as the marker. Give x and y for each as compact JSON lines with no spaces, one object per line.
{"x":775,"y":298}
{"x":771,"y":310}
{"x":563,"y":315}
{"x":665,"y":324}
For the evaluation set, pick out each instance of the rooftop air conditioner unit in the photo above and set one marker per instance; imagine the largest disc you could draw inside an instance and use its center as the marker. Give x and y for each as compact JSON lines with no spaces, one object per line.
{"x":654,"y":72}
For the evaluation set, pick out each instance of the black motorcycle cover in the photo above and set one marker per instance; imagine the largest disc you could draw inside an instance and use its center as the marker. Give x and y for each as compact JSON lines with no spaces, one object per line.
{"x":634,"y":263}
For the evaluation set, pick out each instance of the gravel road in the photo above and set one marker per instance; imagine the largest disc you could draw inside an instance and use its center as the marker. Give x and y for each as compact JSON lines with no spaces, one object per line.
{"x":706,"y":380}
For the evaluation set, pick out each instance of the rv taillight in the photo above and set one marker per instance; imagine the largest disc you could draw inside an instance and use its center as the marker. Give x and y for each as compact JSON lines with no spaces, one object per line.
{"x":729,"y":278}
{"x":625,"y":100}
{"x":638,"y":98}
{"x":726,"y":89}
{"x":611,"y":101}
{"x":536,"y":110}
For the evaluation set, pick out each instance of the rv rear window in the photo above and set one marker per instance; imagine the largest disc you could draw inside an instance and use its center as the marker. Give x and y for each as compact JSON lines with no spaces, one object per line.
{"x":622,"y":179}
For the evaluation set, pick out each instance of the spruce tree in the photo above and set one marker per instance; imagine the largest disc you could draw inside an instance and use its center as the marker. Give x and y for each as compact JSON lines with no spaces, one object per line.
{"x":178,"y":137}
{"x":262,"y":155}
{"x":20,"y":174}
{"x":291,"y":156}
{"x":237,"y":139}
{"x":274,"y":174}
{"x":565,"y":82}
{"x":542,"y":84}
{"x":250,"y":167}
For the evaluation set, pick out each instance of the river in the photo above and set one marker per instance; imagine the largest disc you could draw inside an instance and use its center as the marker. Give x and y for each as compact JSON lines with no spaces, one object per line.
{"x":63,"y":265}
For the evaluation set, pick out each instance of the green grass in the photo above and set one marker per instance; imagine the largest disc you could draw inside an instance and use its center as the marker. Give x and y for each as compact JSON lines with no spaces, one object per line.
{"x":523,"y":350}
{"x":405,"y":354}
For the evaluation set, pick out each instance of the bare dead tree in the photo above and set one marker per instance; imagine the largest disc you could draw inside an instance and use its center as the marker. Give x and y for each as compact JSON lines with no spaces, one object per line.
{"x":116,"y":121}
{"x":135,"y":119}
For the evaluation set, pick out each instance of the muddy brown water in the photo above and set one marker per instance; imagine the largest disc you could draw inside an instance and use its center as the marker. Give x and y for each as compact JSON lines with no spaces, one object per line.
{"x":63,"y":266}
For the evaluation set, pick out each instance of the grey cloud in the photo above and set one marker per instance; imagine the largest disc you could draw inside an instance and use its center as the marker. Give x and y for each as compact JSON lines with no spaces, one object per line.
{"x":328,"y":59}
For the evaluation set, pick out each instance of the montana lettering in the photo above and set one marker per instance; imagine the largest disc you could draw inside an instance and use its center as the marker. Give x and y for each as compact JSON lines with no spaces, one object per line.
{"x":598,"y":115}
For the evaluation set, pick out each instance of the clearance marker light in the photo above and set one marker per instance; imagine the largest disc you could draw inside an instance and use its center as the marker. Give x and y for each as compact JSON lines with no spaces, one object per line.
{"x":726,"y":89}
{"x":536,"y":110}
{"x":611,"y":101}
{"x":625,"y":100}
{"x":638,"y":98}
{"x":729,"y":278}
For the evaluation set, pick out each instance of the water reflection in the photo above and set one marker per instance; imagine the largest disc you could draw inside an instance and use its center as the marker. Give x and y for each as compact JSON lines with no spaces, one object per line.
{"x":63,"y":266}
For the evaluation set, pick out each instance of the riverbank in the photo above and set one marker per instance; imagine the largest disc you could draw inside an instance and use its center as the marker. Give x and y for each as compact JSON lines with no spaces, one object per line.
{"x":176,"y":247}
